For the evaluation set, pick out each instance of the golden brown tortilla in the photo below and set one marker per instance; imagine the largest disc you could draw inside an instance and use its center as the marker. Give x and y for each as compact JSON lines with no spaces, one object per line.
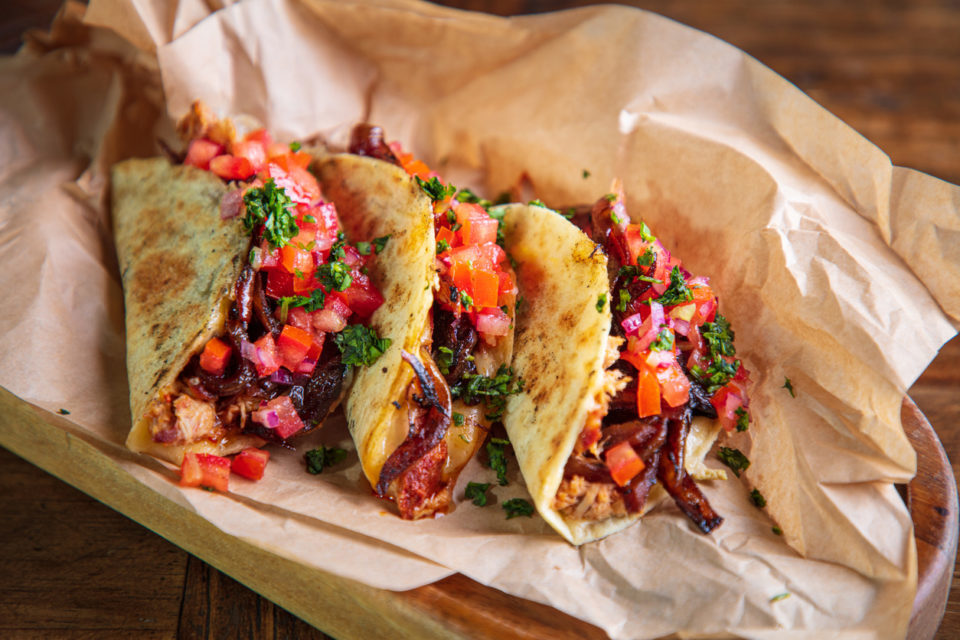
{"x":375,"y":198}
{"x":178,"y":262}
{"x":559,"y":352}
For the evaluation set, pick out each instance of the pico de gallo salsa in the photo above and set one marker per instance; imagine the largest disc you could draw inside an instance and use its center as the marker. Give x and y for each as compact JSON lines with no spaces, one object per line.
{"x":297,"y":319}
{"x":462,"y":378}
{"x":670,"y":357}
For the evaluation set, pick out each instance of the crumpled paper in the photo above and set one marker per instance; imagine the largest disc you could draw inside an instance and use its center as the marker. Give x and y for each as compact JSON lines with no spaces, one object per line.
{"x":836,"y":269}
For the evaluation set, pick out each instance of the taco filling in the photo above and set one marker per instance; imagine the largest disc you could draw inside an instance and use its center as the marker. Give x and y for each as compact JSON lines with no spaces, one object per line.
{"x":461,"y":373}
{"x":669,"y":358}
{"x":295,"y":322}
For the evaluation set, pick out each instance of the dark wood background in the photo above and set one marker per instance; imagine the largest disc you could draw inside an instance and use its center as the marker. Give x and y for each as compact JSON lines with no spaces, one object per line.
{"x":74,"y":568}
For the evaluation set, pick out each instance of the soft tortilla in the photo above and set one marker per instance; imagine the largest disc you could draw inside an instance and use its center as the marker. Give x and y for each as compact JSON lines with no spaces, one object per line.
{"x":375,"y":198}
{"x":179,"y":262}
{"x":559,"y":351}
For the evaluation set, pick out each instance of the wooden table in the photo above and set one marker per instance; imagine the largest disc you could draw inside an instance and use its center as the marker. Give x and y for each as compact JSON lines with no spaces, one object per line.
{"x":74,"y":568}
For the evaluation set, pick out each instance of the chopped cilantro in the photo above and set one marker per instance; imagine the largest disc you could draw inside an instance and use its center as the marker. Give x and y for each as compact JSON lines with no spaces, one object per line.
{"x":743,"y":419}
{"x":360,"y":345}
{"x":451,"y":216}
{"x":780,"y":596}
{"x":436,"y":189}
{"x":313,"y":302}
{"x":492,"y":390}
{"x":458,"y":419}
{"x":646,"y":234}
{"x":664,"y":341}
{"x":789,"y":387}
{"x":477,"y":491}
{"x":294,"y":146}
{"x":614,"y":217}
{"x":498,"y":459}
{"x":537,"y":203}
{"x":270,"y":206}
{"x":444,"y":359}
{"x":364,"y":248}
{"x":624,"y":300}
{"x":648,"y":257}
{"x":323,"y":457}
{"x":678,"y":291}
{"x":334,"y":275}
{"x":776,"y":530}
{"x":569,"y":213}
{"x":734,"y":459}
{"x":516,"y":507}
{"x":720,"y":369}
{"x":63,"y":412}
{"x":585,"y":174}
{"x":601,"y":301}
{"x":610,"y":197}
{"x":456,"y":227}
{"x":466,"y":195}
{"x":466,"y":300}
{"x":442,"y":246}
{"x":309,"y":218}
{"x":757,"y":498}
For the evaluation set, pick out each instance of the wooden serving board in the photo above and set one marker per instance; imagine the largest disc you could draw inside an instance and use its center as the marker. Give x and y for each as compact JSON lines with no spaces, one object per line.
{"x":455,"y":607}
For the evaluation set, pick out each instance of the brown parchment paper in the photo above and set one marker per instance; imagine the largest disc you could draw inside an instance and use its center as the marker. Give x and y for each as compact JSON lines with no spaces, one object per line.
{"x":836,"y":269}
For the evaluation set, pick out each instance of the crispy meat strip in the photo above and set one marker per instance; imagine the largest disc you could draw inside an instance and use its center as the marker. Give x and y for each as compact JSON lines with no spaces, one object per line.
{"x":429,"y":418}
{"x":453,"y":331}
{"x":367,"y":140}
{"x":677,"y":482}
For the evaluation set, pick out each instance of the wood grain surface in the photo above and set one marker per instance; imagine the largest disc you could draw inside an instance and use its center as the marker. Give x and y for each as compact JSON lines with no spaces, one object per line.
{"x":76,"y":569}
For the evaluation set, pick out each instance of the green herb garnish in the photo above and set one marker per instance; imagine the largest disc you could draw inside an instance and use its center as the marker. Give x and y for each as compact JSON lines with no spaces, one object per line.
{"x":63,"y":412}
{"x":492,"y":390}
{"x":334,"y":275}
{"x":776,"y":530}
{"x":377,"y":245}
{"x":323,"y":457}
{"x":677,"y":292}
{"x":466,"y":300}
{"x":780,"y":596}
{"x":585,"y":174}
{"x":458,"y":419}
{"x":477,"y":491}
{"x":442,"y":246}
{"x":498,"y":459}
{"x":313,"y":302}
{"x":624,"y":300}
{"x":720,"y":370}
{"x":743,"y":419}
{"x":757,"y":498}
{"x":270,"y":206}
{"x":517,"y":507}
{"x":444,"y":359}
{"x":436,"y":189}
{"x":294,"y":146}
{"x":664,"y":341}
{"x":734,"y":459}
{"x":601,"y":301}
{"x":789,"y":387}
{"x":360,"y":345}
{"x":466,"y":195}
{"x":538,"y":203}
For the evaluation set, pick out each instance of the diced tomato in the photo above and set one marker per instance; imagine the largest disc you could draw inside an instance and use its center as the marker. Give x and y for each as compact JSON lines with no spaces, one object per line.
{"x":446,"y":235}
{"x":506,"y":289}
{"x":623,"y":462}
{"x":205,"y":470}
{"x":313,"y":355}
{"x":294,"y":259}
{"x":253,"y":151}
{"x":268,"y":360}
{"x":298,"y":183}
{"x":327,"y":320}
{"x":261,"y":136}
{"x":279,"y":283}
{"x":277,"y":150}
{"x":338,"y":303}
{"x":250,"y":463}
{"x":674,"y":386}
{"x":305,"y":285}
{"x":477,"y":228}
{"x":300,"y":318}
{"x":280,"y":415}
{"x":352,"y":257}
{"x":231,"y":167}
{"x":726,"y":401}
{"x":484,"y":286}
{"x":293,"y":345}
{"x":635,"y":241}
{"x":493,"y":322}
{"x":292,"y":159}
{"x":215,"y":356}
{"x":492,"y":253}
{"x":648,"y":393}
{"x":201,"y":152}
{"x":362,"y":297}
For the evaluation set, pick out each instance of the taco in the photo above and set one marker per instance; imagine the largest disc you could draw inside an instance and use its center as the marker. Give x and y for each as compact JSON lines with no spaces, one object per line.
{"x":627,"y":367}
{"x":420,"y":415}
{"x":245,"y":306}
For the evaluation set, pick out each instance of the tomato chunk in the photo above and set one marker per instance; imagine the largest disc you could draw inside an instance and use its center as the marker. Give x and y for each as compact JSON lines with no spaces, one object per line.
{"x":623,"y":462}
{"x":231,"y":167}
{"x":215,"y":356}
{"x":293,"y":345}
{"x":205,"y":470}
{"x":484,"y":285}
{"x":674,"y":386}
{"x":201,"y":152}
{"x":648,"y":393}
{"x":250,"y":463}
